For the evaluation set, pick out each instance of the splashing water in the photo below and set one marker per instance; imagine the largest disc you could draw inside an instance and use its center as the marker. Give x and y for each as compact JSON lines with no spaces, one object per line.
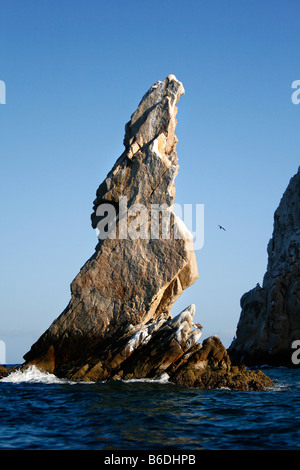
{"x":32,"y":375}
{"x":163,"y":379}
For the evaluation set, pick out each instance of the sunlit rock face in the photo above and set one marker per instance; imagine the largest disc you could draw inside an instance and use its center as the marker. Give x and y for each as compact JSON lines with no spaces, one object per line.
{"x":270,"y":318}
{"x":118,"y":324}
{"x":135,"y":275}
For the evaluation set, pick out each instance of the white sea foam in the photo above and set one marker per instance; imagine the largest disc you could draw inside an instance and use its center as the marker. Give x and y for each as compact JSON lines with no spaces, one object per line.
{"x":32,"y":375}
{"x":163,"y":379}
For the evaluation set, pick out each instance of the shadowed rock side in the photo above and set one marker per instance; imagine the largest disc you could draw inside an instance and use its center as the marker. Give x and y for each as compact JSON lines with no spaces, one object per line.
{"x":118,"y":322}
{"x":4,"y":372}
{"x":270,"y":317}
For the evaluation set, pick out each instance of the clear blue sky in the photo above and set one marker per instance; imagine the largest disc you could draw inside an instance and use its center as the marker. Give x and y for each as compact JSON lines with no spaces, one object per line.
{"x":75,"y":71}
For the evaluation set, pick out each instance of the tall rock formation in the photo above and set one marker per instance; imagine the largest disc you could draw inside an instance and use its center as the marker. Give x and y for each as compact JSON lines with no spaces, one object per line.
{"x":118,"y":322}
{"x":134,"y":276}
{"x":270,"y":317}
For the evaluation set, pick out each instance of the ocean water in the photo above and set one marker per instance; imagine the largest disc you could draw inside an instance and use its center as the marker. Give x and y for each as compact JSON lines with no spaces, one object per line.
{"x":41,"y":412}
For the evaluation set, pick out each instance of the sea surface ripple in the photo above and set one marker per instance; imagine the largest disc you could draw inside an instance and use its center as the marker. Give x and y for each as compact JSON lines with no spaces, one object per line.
{"x":39,"y":411}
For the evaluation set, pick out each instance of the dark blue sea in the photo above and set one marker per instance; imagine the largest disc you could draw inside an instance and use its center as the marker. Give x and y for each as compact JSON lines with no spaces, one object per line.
{"x":40,"y":412}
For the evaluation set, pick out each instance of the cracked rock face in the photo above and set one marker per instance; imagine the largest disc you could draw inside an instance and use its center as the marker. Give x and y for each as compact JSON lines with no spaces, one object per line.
{"x":118,"y":323}
{"x":270,"y":317}
{"x":133,"y":278}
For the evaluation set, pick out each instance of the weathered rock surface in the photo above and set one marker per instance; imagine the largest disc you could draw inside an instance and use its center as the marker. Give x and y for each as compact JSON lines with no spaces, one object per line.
{"x":208,"y":365}
{"x":129,"y":281}
{"x":270,"y":317}
{"x":118,"y":322}
{"x":4,"y":372}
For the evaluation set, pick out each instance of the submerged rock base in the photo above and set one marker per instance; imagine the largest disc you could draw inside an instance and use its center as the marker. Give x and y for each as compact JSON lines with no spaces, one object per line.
{"x":167,"y":348}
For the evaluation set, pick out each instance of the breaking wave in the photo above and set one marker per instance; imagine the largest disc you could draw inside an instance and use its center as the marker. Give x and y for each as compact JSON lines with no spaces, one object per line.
{"x":32,"y":375}
{"x":163,"y":379}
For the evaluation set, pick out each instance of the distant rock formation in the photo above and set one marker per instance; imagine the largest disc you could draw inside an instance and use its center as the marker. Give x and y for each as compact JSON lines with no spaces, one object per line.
{"x":270,"y":317}
{"x":118,"y":322}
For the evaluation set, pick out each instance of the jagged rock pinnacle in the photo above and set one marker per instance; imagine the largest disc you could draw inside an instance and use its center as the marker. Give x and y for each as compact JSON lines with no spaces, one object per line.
{"x":128,"y":282}
{"x":118,"y":323}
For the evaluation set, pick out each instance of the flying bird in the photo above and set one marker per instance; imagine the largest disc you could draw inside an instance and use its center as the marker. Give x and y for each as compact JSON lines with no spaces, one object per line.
{"x":222,"y":228}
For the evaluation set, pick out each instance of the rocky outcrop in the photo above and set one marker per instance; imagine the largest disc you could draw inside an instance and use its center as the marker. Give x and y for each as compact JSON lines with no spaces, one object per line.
{"x":4,"y":372}
{"x":169,"y":350}
{"x":208,"y":365}
{"x":139,"y":267}
{"x":118,"y":323}
{"x":270,"y":317}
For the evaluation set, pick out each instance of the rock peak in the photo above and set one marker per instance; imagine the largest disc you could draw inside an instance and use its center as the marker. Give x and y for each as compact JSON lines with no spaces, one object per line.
{"x":155,"y":118}
{"x":150,"y":131}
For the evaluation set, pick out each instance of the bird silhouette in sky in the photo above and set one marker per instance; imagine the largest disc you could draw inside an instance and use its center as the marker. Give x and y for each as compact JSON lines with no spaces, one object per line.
{"x":222,"y":228}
